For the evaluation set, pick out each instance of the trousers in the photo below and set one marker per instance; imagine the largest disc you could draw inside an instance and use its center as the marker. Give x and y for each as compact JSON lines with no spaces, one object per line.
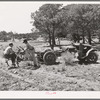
{"x":32,"y":55}
{"x":11,"y":56}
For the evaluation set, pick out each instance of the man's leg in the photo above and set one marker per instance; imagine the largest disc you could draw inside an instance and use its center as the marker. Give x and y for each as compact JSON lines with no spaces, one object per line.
{"x":13,"y":57}
{"x":34,"y":58}
{"x":6,"y":59}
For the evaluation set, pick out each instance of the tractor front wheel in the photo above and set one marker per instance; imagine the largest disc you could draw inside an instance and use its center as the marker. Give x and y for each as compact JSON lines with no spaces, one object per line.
{"x":92,"y":57}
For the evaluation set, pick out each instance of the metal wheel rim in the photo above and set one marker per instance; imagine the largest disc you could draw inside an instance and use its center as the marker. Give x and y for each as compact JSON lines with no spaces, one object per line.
{"x":49,"y":57}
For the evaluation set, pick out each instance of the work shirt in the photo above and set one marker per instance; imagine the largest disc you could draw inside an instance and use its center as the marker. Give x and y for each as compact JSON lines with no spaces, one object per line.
{"x":29,"y":47}
{"x":81,"y":48}
{"x":8,"y":50}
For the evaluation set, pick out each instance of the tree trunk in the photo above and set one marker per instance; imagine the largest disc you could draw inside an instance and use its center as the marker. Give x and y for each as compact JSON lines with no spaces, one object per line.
{"x":78,"y":37}
{"x":50,"y":39}
{"x":53,"y":38}
{"x":89,"y":36}
{"x":83,"y":36}
{"x":83,"y":39}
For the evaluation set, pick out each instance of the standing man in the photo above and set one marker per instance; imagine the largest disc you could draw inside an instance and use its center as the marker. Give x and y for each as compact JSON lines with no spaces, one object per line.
{"x":80,"y":53}
{"x":30,"y":49}
{"x":10,"y":54}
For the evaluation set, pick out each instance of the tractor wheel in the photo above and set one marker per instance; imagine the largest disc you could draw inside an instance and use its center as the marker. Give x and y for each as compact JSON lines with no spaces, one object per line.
{"x":47,"y":50}
{"x":92,"y":57}
{"x":49,"y":58}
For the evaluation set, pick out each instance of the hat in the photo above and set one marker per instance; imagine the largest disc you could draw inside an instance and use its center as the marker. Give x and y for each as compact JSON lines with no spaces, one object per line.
{"x":25,"y":41}
{"x":10,"y":44}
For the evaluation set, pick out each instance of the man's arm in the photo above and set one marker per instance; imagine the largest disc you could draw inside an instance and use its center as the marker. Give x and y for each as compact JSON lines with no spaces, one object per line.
{"x":11,"y":51}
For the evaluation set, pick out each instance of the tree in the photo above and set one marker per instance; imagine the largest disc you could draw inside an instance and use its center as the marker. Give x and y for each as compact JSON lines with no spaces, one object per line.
{"x":3,"y":36}
{"x":85,"y":19}
{"x":79,"y":20}
{"x":46,"y":21}
{"x":11,"y":34}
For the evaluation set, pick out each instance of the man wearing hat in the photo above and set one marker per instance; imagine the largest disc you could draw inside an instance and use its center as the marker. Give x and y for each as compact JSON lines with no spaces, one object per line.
{"x":31,"y":51}
{"x":9,"y":53}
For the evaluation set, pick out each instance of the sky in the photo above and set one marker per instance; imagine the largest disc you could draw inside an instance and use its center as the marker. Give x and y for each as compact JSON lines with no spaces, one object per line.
{"x":16,"y":16}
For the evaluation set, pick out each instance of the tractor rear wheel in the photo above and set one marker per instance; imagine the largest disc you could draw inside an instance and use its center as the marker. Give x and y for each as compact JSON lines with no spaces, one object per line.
{"x":49,"y":58}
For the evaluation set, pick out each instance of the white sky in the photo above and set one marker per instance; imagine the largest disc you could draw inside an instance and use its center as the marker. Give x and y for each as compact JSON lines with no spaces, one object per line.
{"x":16,"y":16}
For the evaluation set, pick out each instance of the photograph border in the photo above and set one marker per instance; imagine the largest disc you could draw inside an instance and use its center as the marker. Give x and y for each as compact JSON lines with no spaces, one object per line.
{"x":90,"y":96}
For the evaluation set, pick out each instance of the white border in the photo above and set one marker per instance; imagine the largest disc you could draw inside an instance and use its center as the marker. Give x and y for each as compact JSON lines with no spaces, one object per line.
{"x":41,"y":95}
{"x":49,"y":94}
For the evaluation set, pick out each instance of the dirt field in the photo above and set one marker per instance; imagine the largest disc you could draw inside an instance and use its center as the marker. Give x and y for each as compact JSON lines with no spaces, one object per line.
{"x":59,"y":77}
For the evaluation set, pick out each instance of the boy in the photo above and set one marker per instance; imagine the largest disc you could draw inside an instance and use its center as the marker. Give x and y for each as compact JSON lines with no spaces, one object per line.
{"x":10,"y":54}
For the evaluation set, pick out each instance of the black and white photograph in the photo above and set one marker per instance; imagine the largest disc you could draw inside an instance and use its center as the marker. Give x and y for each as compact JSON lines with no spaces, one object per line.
{"x":49,"y":46}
